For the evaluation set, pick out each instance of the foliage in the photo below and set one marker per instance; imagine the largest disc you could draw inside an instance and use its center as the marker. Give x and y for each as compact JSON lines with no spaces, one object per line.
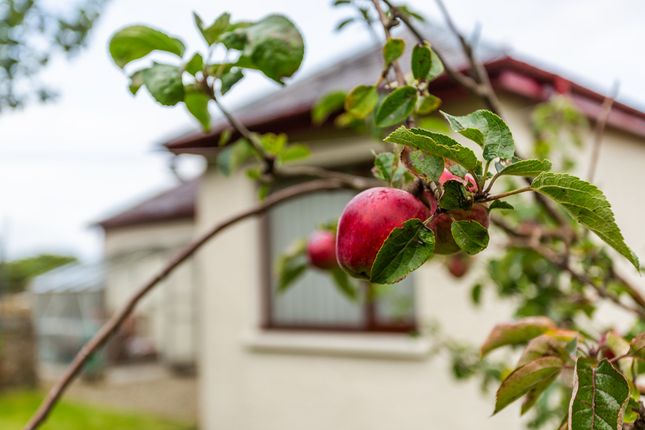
{"x":32,"y":33}
{"x":551,"y":268}
{"x":16,"y":274}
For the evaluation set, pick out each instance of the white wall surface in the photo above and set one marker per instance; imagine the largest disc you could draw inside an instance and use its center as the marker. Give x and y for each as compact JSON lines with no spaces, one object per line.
{"x":169,"y":314}
{"x":254,"y":380}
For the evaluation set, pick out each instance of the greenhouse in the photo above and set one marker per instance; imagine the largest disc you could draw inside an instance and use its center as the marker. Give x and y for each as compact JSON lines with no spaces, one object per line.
{"x":68,"y":305}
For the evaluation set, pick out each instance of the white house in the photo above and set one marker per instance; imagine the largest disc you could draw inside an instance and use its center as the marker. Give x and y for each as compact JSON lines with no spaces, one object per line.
{"x":309,"y":358}
{"x":138,"y":241}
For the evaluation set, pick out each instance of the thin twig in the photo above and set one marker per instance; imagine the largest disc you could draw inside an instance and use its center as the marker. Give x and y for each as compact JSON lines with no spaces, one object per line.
{"x":509,"y":193}
{"x":584,"y":279}
{"x":115,"y":322}
{"x":350,"y":181}
{"x":269,"y":160}
{"x":485,"y":91}
{"x":632,"y":289}
{"x":400,"y":78}
{"x":531,"y":241}
{"x":478,"y":70}
{"x":271,"y":167}
{"x":463,"y":80}
{"x":599,"y":131}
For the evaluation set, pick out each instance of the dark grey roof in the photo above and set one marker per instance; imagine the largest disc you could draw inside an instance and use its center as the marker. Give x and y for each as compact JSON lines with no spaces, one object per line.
{"x":358,"y":68}
{"x":174,"y":204}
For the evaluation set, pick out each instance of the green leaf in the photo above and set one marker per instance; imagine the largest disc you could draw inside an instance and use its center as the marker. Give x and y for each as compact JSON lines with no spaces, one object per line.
{"x":342,"y":24}
{"x":552,"y":343}
{"x":274,"y":143}
{"x":212,"y":33}
{"x":435,"y":144}
{"x":404,"y":250}
{"x":330,"y":103}
{"x":527,"y":168}
{"x":428,"y":104}
{"x":499,"y":204}
{"x":195,"y":64}
{"x":294,"y":153}
{"x":197,"y":104}
{"x":229,"y":79}
{"x":218,"y":69}
{"x":436,"y":68}
{"x":535,"y":392}
{"x":396,"y":107}
{"x":638,"y":346}
{"x":392,"y":50}
{"x":233,"y":156}
{"x":164,"y":83}
{"x":137,"y":41}
{"x":455,"y":196}
{"x":384,"y":166}
{"x":525,"y":378}
{"x":600,"y":394}
{"x":361,"y":101}
{"x":588,"y":205}
{"x":470,"y":236}
{"x":425,"y":166}
{"x":344,"y":284}
{"x":136,"y":81}
{"x":274,"y":46}
{"x":421,"y":61}
{"x":516,"y":333}
{"x":488,"y":130}
{"x":291,"y":265}
{"x":476,"y":294}
{"x":235,"y":37}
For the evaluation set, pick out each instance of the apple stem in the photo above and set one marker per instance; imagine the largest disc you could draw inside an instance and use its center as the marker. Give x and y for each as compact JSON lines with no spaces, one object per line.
{"x":482,"y":180}
{"x":510,"y":193}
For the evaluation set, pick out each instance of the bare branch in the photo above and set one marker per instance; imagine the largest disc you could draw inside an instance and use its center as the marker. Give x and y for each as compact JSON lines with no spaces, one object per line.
{"x":386,"y":28}
{"x":563,"y":263}
{"x":531,"y":240}
{"x":599,"y":131}
{"x":115,"y":322}
{"x":509,"y":193}
{"x":480,"y":74}
{"x":463,"y":80}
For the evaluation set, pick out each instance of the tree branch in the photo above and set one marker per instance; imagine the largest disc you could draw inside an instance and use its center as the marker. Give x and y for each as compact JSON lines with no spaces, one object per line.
{"x":531,"y":240}
{"x":509,"y":193}
{"x":400,"y":78}
{"x":584,"y":279}
{"x":115,"y":322}
{"x":463,"y":80}
{"x":484,"y":88}
{"x":599,"y":131}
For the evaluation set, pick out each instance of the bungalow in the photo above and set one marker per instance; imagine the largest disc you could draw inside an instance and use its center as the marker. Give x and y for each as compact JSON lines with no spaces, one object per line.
{"x":137,"y":242}
{"x":309,"y":358}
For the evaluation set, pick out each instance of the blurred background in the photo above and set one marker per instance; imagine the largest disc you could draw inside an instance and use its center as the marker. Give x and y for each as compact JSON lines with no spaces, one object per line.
{"x":92,"y":202}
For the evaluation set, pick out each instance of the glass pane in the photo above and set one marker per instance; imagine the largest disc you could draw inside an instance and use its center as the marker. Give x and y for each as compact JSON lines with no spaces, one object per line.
{"x":313,"y":299}
{"x":395,"y":303}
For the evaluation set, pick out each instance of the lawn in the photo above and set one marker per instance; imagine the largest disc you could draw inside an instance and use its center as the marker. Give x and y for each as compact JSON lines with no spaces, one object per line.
{"x":16,"y":407}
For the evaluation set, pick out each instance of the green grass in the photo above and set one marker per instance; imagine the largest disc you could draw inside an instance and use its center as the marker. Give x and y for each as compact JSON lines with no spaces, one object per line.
{"x":17,"y":407}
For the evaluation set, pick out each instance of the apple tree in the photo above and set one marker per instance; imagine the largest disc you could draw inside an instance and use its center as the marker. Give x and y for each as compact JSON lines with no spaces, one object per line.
{"x":430,"y":195}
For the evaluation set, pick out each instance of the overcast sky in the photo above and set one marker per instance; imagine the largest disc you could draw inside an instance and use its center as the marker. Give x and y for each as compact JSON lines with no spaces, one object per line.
{"x":67,"y":164}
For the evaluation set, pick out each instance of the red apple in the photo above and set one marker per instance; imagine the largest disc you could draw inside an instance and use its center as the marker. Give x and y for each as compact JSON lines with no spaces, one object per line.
{"x":468,"y":181}
{"x":368,"y":219}
{"x":441,"y":223}
{"x":458,"y":265}
{"x":321,"y":250}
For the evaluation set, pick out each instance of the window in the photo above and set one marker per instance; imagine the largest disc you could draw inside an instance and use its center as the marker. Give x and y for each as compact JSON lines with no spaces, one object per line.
{"x":313,"y":302}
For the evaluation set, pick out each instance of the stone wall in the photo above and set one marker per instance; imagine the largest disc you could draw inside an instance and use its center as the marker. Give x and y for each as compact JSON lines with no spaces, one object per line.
{"x":17,"y":345}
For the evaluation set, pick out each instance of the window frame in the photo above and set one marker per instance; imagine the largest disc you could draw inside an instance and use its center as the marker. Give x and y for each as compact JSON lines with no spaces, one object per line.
{"x":371,"y":324}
